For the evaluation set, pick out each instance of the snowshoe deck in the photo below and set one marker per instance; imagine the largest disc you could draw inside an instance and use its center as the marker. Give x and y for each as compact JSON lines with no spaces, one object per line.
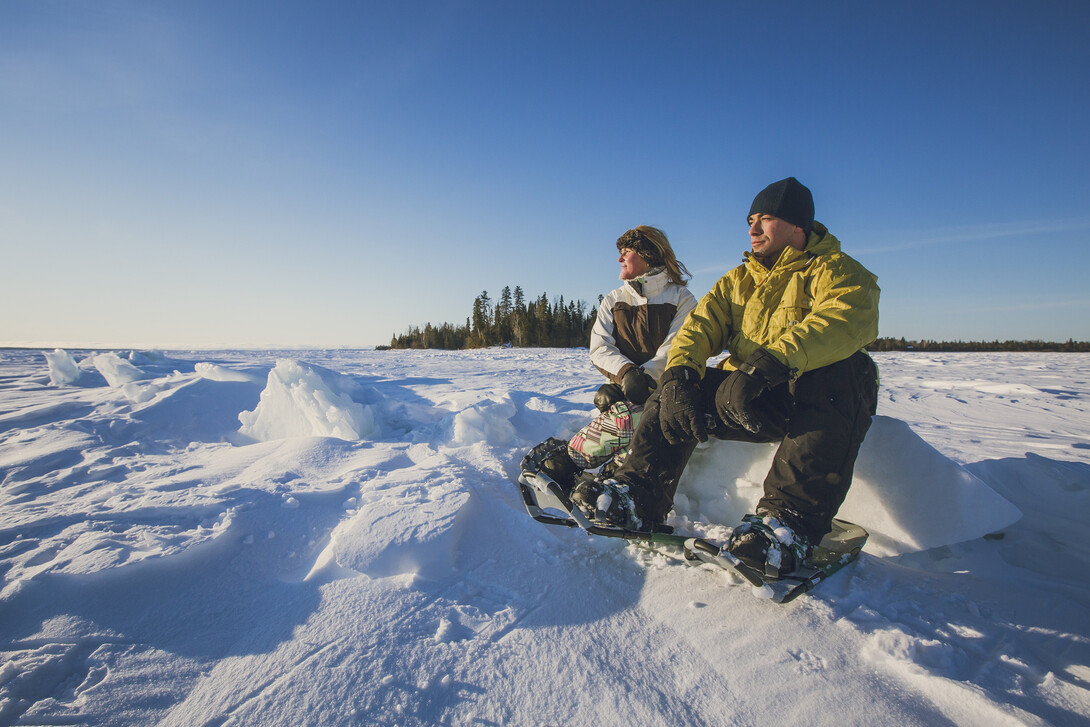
{"x":547,"y":503}
{"x":837,"y":549}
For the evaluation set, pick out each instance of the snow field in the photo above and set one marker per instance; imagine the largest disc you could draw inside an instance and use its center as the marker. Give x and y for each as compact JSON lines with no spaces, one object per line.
{"x":334,"y":538}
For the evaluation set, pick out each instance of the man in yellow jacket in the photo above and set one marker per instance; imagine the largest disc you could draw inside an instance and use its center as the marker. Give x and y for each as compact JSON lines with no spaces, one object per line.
{"x":794,"y":318}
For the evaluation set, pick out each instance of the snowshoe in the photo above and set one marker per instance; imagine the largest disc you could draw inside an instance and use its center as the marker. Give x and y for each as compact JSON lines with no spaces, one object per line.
{"x":840,"y":546}
{"x":551,"y":459}
{"x":607,"y":502}
{"x":547,"y":503}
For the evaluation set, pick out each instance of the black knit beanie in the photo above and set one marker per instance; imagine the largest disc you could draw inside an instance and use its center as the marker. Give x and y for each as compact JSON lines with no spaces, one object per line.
{"x":642,"y":246}
{"x":787,"y":199}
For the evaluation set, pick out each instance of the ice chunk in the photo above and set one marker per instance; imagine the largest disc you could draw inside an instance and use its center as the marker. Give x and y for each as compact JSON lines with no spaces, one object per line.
{"x":63,"y":369}
{"x":301,"y":400}
{"x":116,"y":370}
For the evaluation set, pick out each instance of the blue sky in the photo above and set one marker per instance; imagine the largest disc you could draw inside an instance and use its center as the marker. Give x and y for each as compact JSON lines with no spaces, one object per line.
{"x":330,"y":173}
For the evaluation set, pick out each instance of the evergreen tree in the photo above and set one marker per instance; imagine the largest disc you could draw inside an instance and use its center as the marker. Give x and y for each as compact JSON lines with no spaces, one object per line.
{"x":543,"y":316}
{"x":481,"y":320}
{"x":518,"y":319}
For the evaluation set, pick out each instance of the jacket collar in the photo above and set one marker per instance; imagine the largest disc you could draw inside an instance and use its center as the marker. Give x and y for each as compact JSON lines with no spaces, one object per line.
{"x":820,"y":242}
{"x":650,"y":283}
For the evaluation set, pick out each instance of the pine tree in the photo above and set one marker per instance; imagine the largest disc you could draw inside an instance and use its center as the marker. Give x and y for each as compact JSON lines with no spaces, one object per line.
{"x":518,"y":319}
{"x":481,"y":324}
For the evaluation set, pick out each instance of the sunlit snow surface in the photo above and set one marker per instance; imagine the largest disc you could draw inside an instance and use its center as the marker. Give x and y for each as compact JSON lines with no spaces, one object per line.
{"x":333,"y":538}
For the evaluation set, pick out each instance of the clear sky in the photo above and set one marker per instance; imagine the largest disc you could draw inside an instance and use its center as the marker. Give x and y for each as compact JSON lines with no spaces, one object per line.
{"x":330,"y":173}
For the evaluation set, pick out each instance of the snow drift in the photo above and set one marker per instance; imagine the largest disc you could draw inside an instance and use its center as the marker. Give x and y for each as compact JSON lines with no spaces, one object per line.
{"x":907,"y":494}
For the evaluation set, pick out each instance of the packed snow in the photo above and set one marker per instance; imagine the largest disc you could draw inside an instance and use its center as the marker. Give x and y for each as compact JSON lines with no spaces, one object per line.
{"x":334,"y":538}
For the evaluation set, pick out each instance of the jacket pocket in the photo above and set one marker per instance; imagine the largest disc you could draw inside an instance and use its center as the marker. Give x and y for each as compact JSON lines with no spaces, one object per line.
{"x":789,"y":317}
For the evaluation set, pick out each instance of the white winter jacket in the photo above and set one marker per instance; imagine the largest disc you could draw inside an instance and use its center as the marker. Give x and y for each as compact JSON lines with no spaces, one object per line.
{"x":636,"y":324}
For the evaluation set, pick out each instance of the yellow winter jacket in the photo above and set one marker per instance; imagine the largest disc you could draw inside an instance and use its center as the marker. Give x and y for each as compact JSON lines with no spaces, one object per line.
{"x":814,"y":307}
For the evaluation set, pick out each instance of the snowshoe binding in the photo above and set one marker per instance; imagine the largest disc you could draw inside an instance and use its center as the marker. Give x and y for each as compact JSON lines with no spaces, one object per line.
{"x":607,"y":502}
{"x":769,"y":547}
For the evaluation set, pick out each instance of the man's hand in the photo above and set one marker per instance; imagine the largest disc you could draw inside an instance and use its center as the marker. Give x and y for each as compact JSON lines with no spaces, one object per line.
{"x":681,"y":414}
{"x":760,"y":371}
{"x":637,"y":385}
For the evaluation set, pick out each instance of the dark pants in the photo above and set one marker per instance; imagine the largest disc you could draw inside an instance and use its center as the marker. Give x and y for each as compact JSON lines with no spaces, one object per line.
{"x":819,"y":420}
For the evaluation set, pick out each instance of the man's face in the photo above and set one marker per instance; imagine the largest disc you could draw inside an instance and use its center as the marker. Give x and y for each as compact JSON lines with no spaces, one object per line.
{"x":768,"y":235}
{"x":632,"y":265}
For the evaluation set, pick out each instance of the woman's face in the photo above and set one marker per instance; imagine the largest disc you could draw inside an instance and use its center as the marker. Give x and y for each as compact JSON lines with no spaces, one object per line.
{"x":632,"y":265}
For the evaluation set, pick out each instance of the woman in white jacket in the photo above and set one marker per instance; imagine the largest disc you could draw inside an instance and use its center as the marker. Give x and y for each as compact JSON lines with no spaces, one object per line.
{"x":632,"y":334}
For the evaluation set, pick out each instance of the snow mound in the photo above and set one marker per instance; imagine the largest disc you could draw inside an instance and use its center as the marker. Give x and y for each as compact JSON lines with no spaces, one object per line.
{"x":405,"y":528}
{"x":488,"y":421}
{"x":907,"y":494}
{"x":303,"y":400}
{"x":911,"y":497}
{"x":180,"y":410}
{"x":215,"y":372}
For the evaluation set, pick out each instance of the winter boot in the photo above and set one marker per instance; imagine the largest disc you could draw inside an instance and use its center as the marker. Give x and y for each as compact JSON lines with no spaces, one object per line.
{"x":551,"y":459}
{"x":607,"y":502}
{"x":611,"y":466}
{"x":767,"y":546}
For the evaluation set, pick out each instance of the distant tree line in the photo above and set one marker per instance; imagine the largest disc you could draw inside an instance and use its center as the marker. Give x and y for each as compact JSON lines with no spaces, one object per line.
{"x":509,"y":320}
{"x":539,"y":323}
{"x":900,"y":344}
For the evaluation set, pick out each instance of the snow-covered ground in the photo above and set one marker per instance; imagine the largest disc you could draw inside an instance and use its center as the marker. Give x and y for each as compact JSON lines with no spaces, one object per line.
{"x":333,"y":538}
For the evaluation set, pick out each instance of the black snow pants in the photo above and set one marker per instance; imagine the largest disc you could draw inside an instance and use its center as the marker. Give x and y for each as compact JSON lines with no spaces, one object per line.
{"x":819,"y":420}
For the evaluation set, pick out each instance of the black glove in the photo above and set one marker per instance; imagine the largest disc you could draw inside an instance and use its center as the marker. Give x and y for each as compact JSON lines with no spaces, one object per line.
{"x":607,"y":396}
{"x":637,"y":385}
{"x":760,"y":371}
{"x":681,"y":414}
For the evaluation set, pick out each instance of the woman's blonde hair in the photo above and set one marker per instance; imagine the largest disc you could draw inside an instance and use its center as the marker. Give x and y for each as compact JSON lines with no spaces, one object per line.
{"x":652,"y":245}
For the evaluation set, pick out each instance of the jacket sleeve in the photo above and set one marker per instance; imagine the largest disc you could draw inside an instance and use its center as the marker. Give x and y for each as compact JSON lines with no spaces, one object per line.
{"x":705,"y":332}
{"x":842,"y":321}
{"x":686,"y":302}
{"x":604,"y":353}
